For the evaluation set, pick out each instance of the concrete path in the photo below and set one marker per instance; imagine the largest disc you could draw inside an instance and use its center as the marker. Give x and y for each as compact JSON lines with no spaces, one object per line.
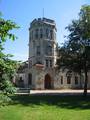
{"x":55,"y":92}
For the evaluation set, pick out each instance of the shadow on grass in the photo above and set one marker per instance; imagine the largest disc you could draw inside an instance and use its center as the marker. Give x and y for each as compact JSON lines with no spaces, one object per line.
{"x":68,"y":102}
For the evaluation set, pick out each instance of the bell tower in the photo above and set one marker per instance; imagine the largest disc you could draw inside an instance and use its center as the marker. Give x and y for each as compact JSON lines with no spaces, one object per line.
{"x":42,"y":42}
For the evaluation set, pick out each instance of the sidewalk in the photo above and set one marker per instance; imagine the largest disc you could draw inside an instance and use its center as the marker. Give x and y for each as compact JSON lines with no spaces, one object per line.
{"x":55,"y":92}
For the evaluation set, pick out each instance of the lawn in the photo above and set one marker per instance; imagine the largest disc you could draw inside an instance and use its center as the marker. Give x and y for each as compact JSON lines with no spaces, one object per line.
{"x":47,"y":107}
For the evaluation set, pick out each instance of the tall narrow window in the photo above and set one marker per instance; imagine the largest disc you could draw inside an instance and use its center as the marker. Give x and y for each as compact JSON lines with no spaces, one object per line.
{"x":68,"y":79}
{"x":36,"y":33}
{"x":61,"y":79}
{"x":21,"y":79}
{"x":21,"y":82}
{"x":51,"y":34}
{"x":76,"y":80}
{"x":49,"y":48}
{"x":41,"y":33}
{"x":47,"y":33}
{"x":38,"y":50}
{"x":46,"y":63}
{"x":50,"y":63}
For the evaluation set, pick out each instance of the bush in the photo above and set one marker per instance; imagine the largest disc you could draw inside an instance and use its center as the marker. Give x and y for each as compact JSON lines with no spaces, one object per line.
{"x":7,"y":86}
{"x":4,"y":100}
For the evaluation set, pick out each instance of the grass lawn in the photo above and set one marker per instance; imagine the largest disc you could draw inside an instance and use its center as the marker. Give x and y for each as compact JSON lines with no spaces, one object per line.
{"x":47,"y":107}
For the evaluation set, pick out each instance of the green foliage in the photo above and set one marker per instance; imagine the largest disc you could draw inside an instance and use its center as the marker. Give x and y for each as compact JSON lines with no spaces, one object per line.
{"x":5,"y":30}
{"x":7,"y":85}
{"x":4,"y":100}
{"x":75,"y":53}
{"x":7,"y":66}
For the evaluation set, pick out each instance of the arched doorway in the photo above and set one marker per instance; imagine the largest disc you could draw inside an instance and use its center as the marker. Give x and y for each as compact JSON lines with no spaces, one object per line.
{"x":47,"y":81}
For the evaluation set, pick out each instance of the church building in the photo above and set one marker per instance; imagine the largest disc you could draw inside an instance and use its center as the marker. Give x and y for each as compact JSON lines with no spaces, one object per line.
{"x":41,"y":69}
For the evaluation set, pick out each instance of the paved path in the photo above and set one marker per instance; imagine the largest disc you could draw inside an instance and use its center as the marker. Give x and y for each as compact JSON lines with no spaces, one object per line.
{"x":55,"y":92}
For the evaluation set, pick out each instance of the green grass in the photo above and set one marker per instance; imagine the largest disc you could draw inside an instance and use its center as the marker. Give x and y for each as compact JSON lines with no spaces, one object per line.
{"x":54,"y":107}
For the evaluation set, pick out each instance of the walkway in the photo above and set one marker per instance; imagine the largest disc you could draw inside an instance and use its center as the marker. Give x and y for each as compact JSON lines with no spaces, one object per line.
{"x":57,"y":92}
{"x":54,"y":92}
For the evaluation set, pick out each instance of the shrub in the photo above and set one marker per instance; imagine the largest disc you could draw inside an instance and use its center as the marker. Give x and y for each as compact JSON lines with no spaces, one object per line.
{"x":4,"y":100}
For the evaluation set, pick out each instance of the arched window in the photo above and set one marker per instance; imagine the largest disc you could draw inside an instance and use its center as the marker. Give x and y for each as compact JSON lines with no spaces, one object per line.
{"x":61,"y":79}
{"x":41,"y":33}
{"x":76,"y":80}
{"x":47,"y":81}
{"x":68,"y":79}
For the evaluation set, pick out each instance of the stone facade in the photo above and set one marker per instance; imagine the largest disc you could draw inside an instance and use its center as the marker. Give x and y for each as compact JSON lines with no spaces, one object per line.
{"x":41,"y":72}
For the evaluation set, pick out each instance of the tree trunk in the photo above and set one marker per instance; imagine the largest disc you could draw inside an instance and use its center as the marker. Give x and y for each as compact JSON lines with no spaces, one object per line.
{"x":80,"y":78}
{"x":85,"y":85}
{"x":86,"y":78}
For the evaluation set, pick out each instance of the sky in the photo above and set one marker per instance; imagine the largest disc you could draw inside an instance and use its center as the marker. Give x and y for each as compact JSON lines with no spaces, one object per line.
{"x":23,"y":12}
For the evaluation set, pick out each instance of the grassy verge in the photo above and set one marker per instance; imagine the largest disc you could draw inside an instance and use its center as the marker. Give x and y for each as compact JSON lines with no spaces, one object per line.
{"x":53,"y":107}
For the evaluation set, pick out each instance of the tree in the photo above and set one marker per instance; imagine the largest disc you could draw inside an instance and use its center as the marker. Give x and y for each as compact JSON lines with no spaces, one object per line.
{"x":75,"y":52}
{"x":7,"y":66}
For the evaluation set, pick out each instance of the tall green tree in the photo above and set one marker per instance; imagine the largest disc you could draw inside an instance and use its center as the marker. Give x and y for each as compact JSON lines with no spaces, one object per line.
{"x":7,"y":66}
{"x":75,"y":52}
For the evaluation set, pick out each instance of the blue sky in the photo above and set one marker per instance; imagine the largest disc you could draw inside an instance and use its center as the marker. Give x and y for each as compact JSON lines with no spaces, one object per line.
{"x":24,"y":11}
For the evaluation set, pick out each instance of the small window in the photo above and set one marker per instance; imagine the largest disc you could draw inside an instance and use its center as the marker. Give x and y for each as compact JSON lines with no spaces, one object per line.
{"x":61,"y":79}
{"x":38,"y":50}
{"x":21,"y":82}
{"x":21,"y":79}
{"x":41,"y":33}
{"x":46,"y":63}
{"x":47,"y":33}
{"x":68,"y":79}
{"x":51,"y":34}
{"x":49,"y":48}
{"x":76,"y":80}
{"x":50,"y":63}
{"x":36,"y":33}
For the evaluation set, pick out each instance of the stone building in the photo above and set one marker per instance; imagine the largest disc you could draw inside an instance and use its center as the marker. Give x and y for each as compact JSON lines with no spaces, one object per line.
{"x":41,"y":72}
